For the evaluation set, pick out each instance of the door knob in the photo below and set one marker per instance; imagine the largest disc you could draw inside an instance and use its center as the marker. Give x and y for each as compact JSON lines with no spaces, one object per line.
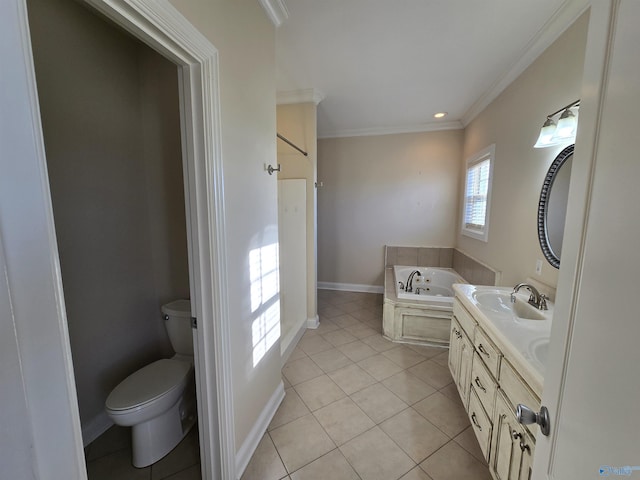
{"x":526,"y":416}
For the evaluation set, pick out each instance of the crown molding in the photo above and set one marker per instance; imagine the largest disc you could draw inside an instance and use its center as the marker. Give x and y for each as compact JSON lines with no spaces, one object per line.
{"x":365,"y":132}
{"x":276,"y":11}
{"x":560,"y":21}
{"x":306,"y":95}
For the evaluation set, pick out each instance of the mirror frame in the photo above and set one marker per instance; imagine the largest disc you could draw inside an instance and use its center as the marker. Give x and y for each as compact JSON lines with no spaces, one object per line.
{"x":543,"y":204}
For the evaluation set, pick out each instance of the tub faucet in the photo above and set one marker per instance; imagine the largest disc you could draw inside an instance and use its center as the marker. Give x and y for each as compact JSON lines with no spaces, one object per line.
{"x":409,"y":284}
{"x":536,"y":298}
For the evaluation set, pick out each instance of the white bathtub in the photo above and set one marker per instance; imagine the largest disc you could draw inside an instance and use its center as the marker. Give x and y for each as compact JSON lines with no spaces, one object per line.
{"x":433,"y":284}
{"x":423,"y":317}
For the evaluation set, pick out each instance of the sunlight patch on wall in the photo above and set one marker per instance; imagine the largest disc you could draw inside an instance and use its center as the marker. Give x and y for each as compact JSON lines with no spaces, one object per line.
{"x":265,"y":300}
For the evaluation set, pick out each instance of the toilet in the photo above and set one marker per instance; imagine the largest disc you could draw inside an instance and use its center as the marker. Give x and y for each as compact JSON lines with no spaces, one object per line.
{"x":158,"y":401}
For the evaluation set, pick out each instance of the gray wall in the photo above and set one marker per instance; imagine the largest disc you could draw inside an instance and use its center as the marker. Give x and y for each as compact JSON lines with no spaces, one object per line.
{"x":512,"y":121}
{"x":110,"y":117}
{"x":382,"y":190}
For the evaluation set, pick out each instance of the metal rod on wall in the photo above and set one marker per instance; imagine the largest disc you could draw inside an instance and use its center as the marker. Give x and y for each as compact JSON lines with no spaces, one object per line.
{"x":292,"y":144}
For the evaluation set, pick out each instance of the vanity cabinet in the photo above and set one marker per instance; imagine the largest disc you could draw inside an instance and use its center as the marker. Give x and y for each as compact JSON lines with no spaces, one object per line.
{"x":490,"y":388}
{"x":513,"y":445}
{"x":460,"y":355}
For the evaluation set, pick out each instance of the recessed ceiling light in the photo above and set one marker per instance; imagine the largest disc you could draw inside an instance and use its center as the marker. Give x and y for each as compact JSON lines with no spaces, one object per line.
{"x":440,"y":115}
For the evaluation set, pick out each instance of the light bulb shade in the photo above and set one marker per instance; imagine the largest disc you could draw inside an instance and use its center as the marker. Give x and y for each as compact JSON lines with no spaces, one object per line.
{"x":566,"y":129}
{"x":546,"y":134}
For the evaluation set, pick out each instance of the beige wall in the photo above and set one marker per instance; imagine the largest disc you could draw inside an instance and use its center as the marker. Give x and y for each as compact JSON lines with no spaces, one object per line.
{"x":297,"y":123}
{"x":245,"y":40}
{"x":111,"y":124}
{"x":384,"y":190}
{"x":512,"y":121}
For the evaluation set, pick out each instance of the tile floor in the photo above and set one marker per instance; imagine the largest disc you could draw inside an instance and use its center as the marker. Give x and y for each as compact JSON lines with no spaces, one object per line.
{"x":356,"y":407}
{"x":109,"y":458}
{"x":360,"y":407}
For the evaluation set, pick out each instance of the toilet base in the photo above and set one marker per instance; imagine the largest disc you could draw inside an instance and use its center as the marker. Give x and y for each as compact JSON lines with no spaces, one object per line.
{"x":155,"y":438}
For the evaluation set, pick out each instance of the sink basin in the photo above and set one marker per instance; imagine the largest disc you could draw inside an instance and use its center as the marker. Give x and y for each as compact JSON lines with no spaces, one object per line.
{"x":500,"y":302}
{"x":539,"y":350}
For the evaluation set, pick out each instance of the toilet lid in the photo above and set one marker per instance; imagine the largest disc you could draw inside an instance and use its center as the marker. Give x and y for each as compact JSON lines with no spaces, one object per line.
{"x":148,"y":384}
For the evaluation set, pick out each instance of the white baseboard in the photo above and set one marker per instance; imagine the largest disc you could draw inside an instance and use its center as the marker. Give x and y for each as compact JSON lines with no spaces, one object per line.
{"x":96,"y":427}
{"x":313,"y":322}
{"x":288,"y":343}
{"x":248,"y":447}
{"x":351,"y":287}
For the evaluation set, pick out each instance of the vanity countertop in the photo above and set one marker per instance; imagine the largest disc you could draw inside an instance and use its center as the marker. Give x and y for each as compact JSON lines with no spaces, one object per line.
{"x":524,"y":342}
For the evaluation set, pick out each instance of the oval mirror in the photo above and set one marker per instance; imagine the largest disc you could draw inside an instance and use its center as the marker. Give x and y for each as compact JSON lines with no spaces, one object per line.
{"x":552,"y":207}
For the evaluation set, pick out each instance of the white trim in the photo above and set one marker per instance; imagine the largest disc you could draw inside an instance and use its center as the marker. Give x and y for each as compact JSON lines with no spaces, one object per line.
{"x":32,"y":268}
{"x":248,"y":447}
{"x":560,"y":21}
{"x":158,"y":24}
{"x":484,"y":154}
{"x":365,"y":132}
{"x":289,"y":342}
{"x":350,"y":287}
{"x":276,"y":11}
{"x":308,"y":95}
{"x":96,"y":427}
{"x":285,"y":352}
{"x":313,"y":322}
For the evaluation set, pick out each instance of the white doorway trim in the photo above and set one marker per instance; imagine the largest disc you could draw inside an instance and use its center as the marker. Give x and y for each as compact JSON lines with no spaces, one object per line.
{"x":33,"y":267}
{"x":159,"y":25}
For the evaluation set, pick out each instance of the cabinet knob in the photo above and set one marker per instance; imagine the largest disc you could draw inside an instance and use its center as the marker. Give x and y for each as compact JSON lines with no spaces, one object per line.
{"x":516,"y":435}
{"x":526,"y":416}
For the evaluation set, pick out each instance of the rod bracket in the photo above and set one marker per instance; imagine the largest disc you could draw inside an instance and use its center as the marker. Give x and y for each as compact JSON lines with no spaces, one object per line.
{"x":270,"y":169}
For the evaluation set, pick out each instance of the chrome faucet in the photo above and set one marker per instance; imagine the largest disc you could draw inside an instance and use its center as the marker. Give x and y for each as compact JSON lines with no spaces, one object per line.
{"x":409,"y":285}
{"x":536,"y":299}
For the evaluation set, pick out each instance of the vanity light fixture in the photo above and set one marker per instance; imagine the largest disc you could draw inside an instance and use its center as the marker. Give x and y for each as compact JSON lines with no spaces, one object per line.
{"x":440,"y":115}
{"x":564,"y":131}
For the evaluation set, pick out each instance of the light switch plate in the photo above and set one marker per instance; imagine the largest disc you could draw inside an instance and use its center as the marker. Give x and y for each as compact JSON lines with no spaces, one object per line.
{"x":538,"y":267}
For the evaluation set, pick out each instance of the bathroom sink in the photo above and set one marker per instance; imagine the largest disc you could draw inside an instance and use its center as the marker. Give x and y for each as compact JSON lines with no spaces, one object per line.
{"x":500,"y":302}
{"x":539,"y":350}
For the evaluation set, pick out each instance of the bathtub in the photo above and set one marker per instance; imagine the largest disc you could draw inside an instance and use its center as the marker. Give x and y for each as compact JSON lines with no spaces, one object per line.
{"x":420,"y":318}
{"x":432,"y":285}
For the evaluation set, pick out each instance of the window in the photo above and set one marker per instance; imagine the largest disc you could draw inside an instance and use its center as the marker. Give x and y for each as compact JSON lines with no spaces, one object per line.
{"x":477,"y":194}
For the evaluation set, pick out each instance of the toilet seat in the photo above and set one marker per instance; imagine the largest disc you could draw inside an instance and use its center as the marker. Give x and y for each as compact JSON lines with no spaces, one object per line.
{"x":149,"y":384}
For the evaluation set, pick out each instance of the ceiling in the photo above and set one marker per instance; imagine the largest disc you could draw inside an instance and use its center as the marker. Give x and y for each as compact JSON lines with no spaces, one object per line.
{"x":386,"y":66}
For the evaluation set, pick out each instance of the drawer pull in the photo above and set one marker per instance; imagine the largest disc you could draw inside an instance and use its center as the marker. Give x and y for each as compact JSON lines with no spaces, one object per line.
{"x":482,"y":350}
{"x":475,"y":422}
{"x":479,"y":384}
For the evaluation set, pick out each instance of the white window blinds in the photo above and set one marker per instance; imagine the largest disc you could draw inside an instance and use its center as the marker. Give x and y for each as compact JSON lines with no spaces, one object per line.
{"x":477,"y":194}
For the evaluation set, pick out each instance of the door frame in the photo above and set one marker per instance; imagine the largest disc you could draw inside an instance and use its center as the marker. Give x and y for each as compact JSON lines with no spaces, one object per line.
{"x":160,"y":26}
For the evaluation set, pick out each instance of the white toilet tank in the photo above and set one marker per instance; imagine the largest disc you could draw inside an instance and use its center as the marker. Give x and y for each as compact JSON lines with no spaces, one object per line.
{"x":177,"y":316}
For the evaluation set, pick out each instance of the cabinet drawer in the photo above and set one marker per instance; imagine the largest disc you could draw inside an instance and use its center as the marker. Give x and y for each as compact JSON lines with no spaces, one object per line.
{"x":484,"y":385}
{"x":480,"y":423}
{"x":488,"y":352}
{"x":464,"y":318}
{"x":517,"y":391}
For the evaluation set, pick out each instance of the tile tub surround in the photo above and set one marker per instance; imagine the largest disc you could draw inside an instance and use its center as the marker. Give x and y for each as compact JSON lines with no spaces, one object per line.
{"x":367,"y":409}
{"x":426,"y":321}
{"x":472,"y":270}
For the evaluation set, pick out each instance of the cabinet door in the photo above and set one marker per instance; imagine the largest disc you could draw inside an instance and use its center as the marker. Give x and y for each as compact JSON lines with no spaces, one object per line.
{"x":454,"y":349}
{"x":466,"y":360}
{"x":527,"y":457}
{"x":506,"y":455}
